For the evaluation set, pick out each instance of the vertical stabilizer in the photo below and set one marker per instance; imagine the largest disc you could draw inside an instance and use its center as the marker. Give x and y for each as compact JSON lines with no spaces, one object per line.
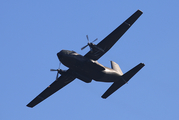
{"x":116,"y":67}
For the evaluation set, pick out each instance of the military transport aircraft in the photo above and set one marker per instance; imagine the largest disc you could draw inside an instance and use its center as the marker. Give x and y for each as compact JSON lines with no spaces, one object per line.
{"x":86,"y":68}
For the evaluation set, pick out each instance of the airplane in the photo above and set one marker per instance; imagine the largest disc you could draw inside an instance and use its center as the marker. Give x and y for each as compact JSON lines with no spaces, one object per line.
{"x":87,"y":68}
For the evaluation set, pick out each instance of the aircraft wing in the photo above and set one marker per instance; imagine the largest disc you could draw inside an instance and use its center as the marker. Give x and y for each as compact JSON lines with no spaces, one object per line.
{"x":113,"y":37}
{"x":62,"y":81}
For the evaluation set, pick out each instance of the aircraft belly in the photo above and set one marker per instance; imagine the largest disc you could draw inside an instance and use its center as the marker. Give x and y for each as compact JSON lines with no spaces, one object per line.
{"x":89,"y":71}
{"x":109,"y":76}
{"x":84,"y":67}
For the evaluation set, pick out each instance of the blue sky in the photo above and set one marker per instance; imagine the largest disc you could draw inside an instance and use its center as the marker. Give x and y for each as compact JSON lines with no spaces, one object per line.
{"x":32,"y":32}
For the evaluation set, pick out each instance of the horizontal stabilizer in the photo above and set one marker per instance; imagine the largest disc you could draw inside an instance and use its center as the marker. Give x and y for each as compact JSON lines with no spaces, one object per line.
{"x":125,"y":78}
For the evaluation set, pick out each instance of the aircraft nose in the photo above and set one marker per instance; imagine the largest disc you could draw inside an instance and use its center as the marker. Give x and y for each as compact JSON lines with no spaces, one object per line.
{"x":60,"y":54}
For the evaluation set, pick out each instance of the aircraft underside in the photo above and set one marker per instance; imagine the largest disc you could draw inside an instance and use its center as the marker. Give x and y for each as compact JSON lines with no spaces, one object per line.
{"x":87,"y":68}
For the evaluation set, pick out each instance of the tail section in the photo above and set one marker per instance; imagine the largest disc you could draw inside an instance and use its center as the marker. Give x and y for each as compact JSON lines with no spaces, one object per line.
{"x":125,"y":78}
{"x":116,"y":67}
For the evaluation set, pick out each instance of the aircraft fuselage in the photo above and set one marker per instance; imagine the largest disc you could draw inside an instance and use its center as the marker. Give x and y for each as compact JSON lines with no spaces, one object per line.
{"x":87,"y":69}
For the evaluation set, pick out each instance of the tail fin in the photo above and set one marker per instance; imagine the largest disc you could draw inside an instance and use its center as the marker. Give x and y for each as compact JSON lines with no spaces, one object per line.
{"x":116,"y":67}
{"x":126,"y":77}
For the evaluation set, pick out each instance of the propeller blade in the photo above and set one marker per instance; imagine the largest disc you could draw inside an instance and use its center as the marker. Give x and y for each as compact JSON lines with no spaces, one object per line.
{"x":57,"y":76}
{"x":53,"y":70}
{"x":84,"y":47}
{"x":95,"y":40}
{"x":87,"y":38}
{"x":88,"y":42}
{"x":59,"y":65}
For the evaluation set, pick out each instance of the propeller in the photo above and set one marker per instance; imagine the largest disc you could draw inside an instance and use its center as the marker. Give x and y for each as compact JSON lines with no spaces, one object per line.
{"x":88,"y":42}
{"x":58,"y":71}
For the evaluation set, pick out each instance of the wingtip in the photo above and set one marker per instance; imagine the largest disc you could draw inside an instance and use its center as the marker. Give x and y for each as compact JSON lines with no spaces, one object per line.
{"x":142,"y":64}
{"x":103,"y":97}
{"x":29,"y":106}
{"x":140,"y":11}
